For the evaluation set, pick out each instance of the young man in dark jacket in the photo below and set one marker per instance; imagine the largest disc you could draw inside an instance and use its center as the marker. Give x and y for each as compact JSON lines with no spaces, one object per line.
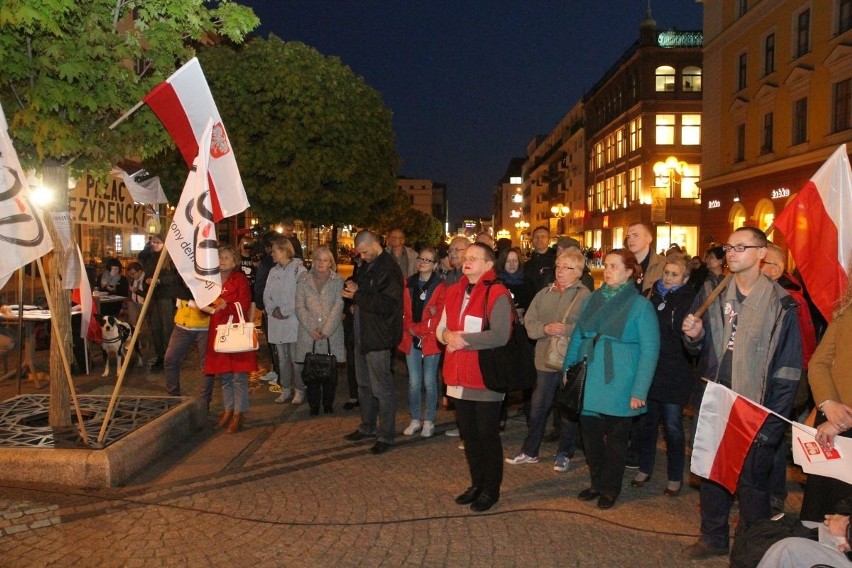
{"x":376,"y":293}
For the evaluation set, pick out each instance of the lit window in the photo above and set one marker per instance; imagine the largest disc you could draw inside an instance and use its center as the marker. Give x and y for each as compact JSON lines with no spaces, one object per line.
{"x":691,"y":175}
{"x":665,"y":128}
{"x":692,"y":79}
{"x":665,"y":79}
{"x":690,"y":130}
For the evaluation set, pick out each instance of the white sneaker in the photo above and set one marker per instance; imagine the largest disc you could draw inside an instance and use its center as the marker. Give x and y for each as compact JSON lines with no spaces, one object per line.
{"x":454,"y":432}
{"x":461,"y":444}
{"x":413,"y":428}
{"x":270,"y":377}
{"x":283,"y":397}
{"x":561,"y":464}
{"x":521,"y":458}
{"x":428,"y":429}
{"x":298,"y":397}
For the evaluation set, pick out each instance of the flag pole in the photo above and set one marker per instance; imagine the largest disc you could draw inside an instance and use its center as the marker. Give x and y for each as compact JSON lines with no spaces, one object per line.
{"x":125,"y":116}
{"x":21,"y":326}
{"x":121,"y":372}
{"x":713,"y":295}
{"x":60,"y":341}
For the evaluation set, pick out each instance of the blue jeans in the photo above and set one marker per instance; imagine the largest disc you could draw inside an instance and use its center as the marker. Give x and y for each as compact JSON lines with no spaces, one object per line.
{"x":546,"y":384}
{"x":235,"y":391}
{"x":422,"y":371}
{"x":672,"y":417}
{"x":376,"y":394}
{"x":179,"y":343}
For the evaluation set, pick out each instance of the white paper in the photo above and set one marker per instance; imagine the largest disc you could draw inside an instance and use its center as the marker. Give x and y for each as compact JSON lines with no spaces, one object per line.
{"x":472,"y":324}
{"x":813,"y":459}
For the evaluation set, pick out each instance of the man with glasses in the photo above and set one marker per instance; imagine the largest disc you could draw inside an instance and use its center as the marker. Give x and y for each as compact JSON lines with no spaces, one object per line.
{"x":457,"y":247}
{"x":748,"y":340}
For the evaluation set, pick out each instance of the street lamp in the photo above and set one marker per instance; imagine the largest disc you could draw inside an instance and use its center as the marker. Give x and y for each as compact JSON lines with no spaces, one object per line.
{"x":662,"y":194}
{"x":559,"y":211}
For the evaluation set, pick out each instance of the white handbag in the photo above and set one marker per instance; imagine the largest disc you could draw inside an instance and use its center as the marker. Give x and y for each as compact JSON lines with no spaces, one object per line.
{"x":236,"y":337}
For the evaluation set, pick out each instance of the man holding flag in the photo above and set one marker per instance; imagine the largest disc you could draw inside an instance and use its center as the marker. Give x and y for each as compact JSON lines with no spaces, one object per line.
{"x":749,"y":341}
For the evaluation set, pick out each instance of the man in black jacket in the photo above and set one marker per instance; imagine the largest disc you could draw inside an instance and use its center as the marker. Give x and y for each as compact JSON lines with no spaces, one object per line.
{"x":376,"y":293}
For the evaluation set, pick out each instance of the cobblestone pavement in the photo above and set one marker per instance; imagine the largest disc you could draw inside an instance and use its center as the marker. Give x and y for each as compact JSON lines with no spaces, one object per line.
{"x":289,"y":491}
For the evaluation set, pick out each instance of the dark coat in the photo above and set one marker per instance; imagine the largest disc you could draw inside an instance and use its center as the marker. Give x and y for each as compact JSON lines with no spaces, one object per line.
{"x":673,"y":378}
{"x":538,"y":270}
{"x":379,"y":302}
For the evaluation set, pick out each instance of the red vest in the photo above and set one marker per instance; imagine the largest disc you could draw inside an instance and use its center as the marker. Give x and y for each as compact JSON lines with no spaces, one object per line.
{"x":461,"y":368}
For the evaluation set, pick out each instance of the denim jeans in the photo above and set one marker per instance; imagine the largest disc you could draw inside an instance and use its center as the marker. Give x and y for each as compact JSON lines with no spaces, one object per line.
{"x":287,"y":377}
{"x":179,"y":343}
{"x":235,"y":391}
{"x":422,"y":371}
{"x":752,"y":491}
{"x":376,"y":394}
{"x":672,"y":417}
{"x":479,"y":426}
{"x":546,"y":385}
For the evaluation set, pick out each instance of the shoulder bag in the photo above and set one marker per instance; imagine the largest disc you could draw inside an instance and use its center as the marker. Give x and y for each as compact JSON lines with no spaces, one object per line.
{"x":510,"y":366}
{"x":236,"y":337}
{"x":569,"y":397}
{"x":558,"y":346}
{"x":319,"y":367}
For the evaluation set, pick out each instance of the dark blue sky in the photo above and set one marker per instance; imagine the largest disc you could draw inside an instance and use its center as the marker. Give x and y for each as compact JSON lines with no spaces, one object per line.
{"x":471,"y":82}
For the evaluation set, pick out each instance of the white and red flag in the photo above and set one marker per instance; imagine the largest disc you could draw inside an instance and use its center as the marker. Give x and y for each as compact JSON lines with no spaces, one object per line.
{"x":816,"y":224}
{"x":727,"y":426}
{"x":816,"y":460}
{"x":191,"y":238}
{"x":23,"y":236}
{"x":183,"y":103}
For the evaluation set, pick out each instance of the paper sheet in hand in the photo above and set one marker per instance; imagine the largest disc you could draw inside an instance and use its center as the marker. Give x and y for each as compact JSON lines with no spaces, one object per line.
{"x":807,"y":453}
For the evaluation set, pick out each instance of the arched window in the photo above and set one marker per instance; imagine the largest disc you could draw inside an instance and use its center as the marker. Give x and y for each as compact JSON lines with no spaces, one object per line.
{"x":764,"y":214}
{"x":692,"y":79}
{"x":665,"y":79}
{"x":737,"y":217}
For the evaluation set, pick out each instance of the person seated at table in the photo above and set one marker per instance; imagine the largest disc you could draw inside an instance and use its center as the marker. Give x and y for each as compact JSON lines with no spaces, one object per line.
{"x":112,"y":280}
{"x":7,"y":336}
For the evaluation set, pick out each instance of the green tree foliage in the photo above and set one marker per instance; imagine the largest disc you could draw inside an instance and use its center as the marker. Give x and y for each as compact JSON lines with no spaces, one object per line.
{"x":312,"y":139}
{"x":71,"y":67}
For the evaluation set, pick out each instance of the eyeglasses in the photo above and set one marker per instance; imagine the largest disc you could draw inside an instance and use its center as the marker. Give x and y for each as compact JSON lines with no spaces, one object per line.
{"x":471,"y":258}
{"x":563,"y":267}
{"x":429,"y":260}
{"x":740,"y":248}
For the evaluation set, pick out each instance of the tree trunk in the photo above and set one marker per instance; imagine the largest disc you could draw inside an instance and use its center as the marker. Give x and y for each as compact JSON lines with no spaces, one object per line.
{"x":56,"y":178}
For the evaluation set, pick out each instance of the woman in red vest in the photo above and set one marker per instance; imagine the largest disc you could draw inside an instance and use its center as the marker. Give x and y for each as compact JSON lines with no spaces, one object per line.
{"x":461,"y":330}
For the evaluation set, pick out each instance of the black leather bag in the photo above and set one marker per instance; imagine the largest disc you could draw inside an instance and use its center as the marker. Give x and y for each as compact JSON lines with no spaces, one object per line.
{"x":319,"y":367}
{"x":569,"y":397}
{"x":510,"y":366}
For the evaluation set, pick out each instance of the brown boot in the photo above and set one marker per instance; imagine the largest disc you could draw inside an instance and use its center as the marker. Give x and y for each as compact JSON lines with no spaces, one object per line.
{"x":236,"y":422}
{"x":225,"y":418}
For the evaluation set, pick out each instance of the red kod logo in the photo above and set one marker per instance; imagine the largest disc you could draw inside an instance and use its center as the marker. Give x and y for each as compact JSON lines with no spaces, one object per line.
{"x":219,"y":141}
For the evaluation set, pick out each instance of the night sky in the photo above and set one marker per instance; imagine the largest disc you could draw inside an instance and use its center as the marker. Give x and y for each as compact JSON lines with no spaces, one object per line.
{"x":471,"y":82}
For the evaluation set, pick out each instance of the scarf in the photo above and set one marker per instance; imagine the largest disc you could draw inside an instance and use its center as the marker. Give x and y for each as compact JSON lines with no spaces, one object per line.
{"x":606,"y":314}
{"x":663,"y":291}
{"x":512,"y":278}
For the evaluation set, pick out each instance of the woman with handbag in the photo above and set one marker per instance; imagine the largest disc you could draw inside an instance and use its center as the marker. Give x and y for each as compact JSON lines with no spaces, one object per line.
{"x":279,"y":303}
{"x":672,"y":297}
{"x":319,"y":309}
{"x":423,"y":303}
{"x":619,"y":336}
{"x":550,"y":320}
{"x":476,"y":297}
{"x":232,"y":369}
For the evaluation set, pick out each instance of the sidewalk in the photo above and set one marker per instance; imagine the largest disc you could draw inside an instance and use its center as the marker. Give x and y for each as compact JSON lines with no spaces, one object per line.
{"x":288,"y":490}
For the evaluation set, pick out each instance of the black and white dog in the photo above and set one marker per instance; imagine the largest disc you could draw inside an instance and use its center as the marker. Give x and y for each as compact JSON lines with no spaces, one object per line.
{"x":116,"y":334}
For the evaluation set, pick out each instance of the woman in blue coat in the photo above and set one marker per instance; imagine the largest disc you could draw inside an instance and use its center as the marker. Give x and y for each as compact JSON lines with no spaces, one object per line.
{"x":619,"y":334}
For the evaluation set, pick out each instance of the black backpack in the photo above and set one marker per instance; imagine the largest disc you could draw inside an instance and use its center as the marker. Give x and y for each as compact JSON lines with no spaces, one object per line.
{"x":751,"y":544}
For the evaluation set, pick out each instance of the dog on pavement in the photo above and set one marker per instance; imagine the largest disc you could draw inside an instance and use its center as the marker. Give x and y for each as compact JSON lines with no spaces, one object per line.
{"x":116,"y":334}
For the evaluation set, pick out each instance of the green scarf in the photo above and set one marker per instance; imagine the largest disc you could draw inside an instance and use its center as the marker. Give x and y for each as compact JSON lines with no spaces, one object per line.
{"x":606,"y":314}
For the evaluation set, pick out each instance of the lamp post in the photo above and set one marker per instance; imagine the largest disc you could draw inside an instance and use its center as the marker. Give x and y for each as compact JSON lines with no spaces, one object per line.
{"x":560,"y":211}
{"x":521,"y":226}
{"x":667,"y":172}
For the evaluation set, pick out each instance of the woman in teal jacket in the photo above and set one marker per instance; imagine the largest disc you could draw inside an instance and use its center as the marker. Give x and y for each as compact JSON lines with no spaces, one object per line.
{"x":619,"y":334}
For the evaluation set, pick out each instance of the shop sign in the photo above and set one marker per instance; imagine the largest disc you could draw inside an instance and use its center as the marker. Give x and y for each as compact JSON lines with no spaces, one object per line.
{"x":659,"y":199}
{"x":780,"y":193}
{"x":112,"y":207}
{"x":714,"y":204}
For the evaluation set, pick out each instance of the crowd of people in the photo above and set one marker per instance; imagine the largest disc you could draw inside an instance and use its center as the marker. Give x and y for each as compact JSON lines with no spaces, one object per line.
{"x":641,"y":333}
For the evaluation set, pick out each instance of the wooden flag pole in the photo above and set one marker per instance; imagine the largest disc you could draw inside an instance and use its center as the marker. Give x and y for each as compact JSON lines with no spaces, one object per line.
{"x":129,"y":355}
{"x":124,"y":116}
{"x":60,"y":341}
{"x":713,"y":295}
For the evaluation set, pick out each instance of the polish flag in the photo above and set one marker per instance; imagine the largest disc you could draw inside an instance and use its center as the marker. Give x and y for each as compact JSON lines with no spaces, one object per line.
{"x":183,"y":103}
{"x":191,"y":238}
{"x":816,"y":460}
{"x":727,"y":425}
{"x":816,"y":224}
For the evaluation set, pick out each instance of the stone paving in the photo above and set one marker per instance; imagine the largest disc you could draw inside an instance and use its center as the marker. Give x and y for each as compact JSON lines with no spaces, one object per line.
{"x":289,"y":491}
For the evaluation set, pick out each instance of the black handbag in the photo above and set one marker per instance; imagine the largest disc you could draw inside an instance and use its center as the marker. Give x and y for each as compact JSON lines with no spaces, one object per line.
{"x":510,"y":366}
{"x":319,"y":367}
{"x":569,"y":397}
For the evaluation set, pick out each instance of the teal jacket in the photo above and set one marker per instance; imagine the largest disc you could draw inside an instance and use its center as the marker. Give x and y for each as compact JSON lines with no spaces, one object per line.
{"x":620,"y":367}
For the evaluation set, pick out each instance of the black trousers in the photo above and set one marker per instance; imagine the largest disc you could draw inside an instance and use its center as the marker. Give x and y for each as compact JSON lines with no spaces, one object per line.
{"x":479,"y":427}
{"x":321,"y":391}
{"x":605,"y":445}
